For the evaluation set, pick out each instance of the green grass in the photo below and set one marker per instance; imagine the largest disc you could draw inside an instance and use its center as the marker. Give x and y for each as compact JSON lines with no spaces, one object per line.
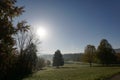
{"x":74,"y":72}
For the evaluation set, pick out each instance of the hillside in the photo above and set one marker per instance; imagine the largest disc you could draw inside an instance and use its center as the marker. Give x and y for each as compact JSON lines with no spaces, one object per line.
{"x":117,"y":50}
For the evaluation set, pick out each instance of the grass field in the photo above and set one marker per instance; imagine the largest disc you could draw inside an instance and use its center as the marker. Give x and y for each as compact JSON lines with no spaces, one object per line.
{"x":74,"y":72}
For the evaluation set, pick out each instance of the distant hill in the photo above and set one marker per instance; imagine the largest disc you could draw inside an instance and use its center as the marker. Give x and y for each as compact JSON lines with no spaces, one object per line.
{"x":73,"y":57}
{"x":117,"y":50}
{"x":70,"y":56}
{"x":67,"y":57}
{"x":47,"y":56}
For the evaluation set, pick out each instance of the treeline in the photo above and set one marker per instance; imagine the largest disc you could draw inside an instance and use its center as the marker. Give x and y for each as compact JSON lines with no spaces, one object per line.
{"x":73,"y":57}
{"x":18,"y":44}
{"x":104,"y":54}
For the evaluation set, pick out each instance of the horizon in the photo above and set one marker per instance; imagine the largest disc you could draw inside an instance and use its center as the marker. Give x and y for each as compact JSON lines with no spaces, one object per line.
{"x":73,"y":52}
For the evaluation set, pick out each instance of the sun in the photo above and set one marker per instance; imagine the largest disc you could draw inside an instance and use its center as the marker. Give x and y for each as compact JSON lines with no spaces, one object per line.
{"x":41,"y":32}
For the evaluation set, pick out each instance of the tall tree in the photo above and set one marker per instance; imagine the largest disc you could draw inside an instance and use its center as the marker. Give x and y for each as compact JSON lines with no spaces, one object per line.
{"x":89,"y":54}
{"x":23,"y":36}
{"x":27,"y":50}
{"x":106,"y":53}
{"x":58,"y":59}
{"x":8,"y":11}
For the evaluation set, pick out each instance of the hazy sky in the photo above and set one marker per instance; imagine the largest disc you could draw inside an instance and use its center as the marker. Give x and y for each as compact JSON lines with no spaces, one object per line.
{"x":73,"y":24}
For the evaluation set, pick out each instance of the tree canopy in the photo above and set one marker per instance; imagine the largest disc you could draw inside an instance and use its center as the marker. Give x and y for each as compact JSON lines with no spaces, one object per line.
{"x":106,"y":53}
{"x":89,"y":54}
{"x":9,"y":59}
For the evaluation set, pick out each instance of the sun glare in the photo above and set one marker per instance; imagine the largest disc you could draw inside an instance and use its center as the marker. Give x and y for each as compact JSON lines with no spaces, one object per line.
{"x":41,"y":32}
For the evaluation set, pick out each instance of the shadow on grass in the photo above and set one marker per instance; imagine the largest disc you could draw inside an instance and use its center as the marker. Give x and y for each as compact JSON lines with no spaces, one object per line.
{"x":68,"y":67}
{"x":64,"y":67}
{"x":113,"y":77}
{"x":112,"y":65}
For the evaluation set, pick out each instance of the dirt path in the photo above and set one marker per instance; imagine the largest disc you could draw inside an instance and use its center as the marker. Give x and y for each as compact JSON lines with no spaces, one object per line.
{"x":115,"y":77}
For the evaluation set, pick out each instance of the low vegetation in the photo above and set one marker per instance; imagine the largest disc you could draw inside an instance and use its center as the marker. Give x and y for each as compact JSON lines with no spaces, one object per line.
{"x":75,"y":72}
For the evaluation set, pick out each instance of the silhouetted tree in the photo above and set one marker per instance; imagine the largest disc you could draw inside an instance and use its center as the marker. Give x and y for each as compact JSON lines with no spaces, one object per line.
{"x":106,"y":53}
{"x":23,"y":37}
{"x":89,"y":54}
{"x":27,"y":50}
{"x":8,"y":11}
{"x":28,"y":60}
{"x":58,"y":59}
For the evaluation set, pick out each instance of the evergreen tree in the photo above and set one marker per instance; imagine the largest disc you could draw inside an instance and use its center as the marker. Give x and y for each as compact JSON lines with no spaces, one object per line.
{"x":28,"y":60}
{"x":106,"y":53}
{"x":58,"y":59}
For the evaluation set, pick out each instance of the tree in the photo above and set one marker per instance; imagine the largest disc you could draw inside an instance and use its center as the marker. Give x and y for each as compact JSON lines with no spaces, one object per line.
{"x":31,"y":55}
{"x":106,"y":53}
{"x":28,"y":60}
{"x":118,"y":58}
{"x":89,"y":54}
{"x":27,"y":50}
{"x":23,"y":37}
{"x":40,"y":63}
{"x":8,"y":11}
{"x":58,"y":59}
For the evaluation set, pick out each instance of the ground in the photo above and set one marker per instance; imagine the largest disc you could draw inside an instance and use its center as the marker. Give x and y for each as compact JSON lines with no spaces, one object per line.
{"x":115,"y":77}
{"x":75,"y":72}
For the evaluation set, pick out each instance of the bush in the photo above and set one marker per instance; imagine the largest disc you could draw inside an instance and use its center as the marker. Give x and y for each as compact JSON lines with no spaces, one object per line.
{"x":40,"y":63}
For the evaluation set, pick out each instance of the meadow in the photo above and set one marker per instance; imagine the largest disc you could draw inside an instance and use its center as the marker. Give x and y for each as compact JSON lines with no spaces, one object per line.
{"x":74,"y":72}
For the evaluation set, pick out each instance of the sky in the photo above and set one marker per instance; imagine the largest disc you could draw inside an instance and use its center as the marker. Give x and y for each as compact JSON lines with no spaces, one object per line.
{"x":73,"y":24}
